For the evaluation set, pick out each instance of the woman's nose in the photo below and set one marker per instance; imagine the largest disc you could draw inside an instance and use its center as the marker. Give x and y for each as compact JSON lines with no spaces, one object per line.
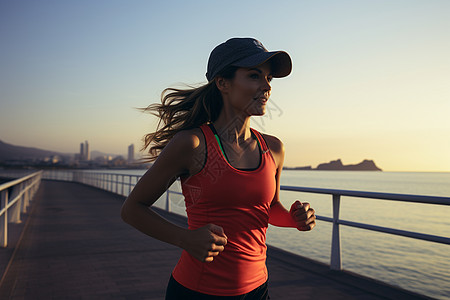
{"x":266,"y":85}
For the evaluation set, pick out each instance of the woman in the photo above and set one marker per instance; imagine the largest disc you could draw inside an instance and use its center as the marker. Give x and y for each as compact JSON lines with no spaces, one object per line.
{"x":230,"y":176}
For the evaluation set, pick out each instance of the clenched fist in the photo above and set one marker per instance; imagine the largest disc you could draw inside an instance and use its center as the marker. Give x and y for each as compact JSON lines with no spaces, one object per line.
{"x":303,"y":216}
{"x":205,"y":242}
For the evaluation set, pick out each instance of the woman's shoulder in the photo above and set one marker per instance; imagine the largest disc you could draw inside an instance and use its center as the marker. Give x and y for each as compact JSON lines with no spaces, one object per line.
{"x":276,"y":147}
{"x":274,"y":143}
{"x":188,"y":139}
{"x":191,"y":146}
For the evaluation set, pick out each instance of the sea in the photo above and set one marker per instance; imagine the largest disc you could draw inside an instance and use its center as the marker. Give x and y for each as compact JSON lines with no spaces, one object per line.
{"x":415,"y":265}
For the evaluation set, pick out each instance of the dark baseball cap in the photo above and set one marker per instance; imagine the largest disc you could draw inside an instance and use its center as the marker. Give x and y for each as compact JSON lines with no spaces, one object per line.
{"x":247,"y":53}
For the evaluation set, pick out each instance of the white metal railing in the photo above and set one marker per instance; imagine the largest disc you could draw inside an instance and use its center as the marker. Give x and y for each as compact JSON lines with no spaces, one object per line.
{"x":122,"y":184}
{"x":15,"y":199}
{"x":335,"y":261}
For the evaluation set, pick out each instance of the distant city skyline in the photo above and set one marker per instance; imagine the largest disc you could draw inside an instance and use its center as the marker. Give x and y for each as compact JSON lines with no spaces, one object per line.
{"x":85,"y":152}
{"x":369,"y":80}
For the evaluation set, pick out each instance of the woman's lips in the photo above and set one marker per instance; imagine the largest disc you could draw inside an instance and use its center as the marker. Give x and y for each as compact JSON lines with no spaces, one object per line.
{"x":261,"y":99}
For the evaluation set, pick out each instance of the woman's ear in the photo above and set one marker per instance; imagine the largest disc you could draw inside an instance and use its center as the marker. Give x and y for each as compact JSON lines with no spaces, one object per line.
{"x":221,"y":83}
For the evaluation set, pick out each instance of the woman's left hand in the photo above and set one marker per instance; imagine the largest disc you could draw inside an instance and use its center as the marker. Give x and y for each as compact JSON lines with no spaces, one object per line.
{"x":303,"y":216}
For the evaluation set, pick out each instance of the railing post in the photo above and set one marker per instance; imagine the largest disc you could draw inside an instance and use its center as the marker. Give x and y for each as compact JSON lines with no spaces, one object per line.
{"x":123,"y":183}
{"x":27,"y":195}
{"x":4,"y":220}
{"x":335,"y":263}
{"x":15,"y":209}
{"x":167,"y":201}
{"x":115,"y":183}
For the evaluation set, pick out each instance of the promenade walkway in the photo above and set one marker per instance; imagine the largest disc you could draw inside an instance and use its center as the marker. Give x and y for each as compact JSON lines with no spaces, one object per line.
{"x":75,"y":246}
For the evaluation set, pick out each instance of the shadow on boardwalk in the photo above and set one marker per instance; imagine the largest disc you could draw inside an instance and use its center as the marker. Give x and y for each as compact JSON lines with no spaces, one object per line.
{"x":75,"y":246}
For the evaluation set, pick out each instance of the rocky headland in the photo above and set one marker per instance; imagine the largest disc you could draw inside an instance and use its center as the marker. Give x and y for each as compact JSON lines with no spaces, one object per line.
{"x":337,"y":165}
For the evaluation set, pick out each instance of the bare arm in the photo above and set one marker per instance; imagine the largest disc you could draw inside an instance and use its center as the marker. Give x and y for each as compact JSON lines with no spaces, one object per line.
{"x":176,"y":159}
{"x":300,"y":215}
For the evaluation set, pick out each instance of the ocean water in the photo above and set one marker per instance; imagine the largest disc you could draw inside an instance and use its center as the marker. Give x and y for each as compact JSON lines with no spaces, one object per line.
{"x":419,"y":266}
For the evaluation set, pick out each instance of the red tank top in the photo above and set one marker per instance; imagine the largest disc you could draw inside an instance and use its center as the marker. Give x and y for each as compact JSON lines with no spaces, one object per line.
{"x":238,"y":201}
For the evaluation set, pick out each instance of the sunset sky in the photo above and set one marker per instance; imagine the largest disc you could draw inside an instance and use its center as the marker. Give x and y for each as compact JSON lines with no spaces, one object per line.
{"x":370,"y":80}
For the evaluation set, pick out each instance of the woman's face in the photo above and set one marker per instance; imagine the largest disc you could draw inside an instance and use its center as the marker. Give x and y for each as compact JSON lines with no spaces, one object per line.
{"x":250,"y":90}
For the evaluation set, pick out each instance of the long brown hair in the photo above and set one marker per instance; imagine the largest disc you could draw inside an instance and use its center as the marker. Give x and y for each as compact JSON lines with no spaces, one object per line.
{"x":183,"y":109}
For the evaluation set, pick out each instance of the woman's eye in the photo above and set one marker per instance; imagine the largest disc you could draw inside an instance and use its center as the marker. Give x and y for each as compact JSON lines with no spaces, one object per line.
{"x":257,"y":76}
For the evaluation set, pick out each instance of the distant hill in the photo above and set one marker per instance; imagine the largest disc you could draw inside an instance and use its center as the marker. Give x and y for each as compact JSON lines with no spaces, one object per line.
{"x":12,"y":152}
{"x":337,"y":165}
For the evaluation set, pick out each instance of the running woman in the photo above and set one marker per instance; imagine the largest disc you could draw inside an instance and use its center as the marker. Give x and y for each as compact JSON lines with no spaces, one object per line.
{"x":230,"y":176}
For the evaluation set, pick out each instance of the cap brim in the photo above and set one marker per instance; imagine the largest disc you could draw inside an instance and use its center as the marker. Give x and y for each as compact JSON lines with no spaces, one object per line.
{"x":280,"y":61}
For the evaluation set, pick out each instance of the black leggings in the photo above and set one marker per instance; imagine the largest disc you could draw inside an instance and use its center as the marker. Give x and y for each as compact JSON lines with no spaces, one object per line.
{"x":176,"y":291}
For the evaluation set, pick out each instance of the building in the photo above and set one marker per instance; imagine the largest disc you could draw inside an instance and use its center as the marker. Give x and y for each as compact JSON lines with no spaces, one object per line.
{"x":81,"y":151}
{"x":131,"y":153}
{"x":84,"y":151}
{"x":87,"y":154}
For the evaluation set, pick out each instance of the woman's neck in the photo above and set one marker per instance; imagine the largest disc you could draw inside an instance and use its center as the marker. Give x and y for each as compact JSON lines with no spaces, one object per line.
{"x":233,"y":130}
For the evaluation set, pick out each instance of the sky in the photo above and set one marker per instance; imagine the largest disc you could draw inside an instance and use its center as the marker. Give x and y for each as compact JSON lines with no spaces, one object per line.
{"x":370,"y":79}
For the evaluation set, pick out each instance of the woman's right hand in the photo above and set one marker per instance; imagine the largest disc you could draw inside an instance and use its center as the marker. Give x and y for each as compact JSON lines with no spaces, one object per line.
{"x":303,"y":216}
{"x":205,"y":242}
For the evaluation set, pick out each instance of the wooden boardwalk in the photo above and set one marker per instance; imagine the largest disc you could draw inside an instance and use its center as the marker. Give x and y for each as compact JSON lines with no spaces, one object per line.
{"x":75,"y":246}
